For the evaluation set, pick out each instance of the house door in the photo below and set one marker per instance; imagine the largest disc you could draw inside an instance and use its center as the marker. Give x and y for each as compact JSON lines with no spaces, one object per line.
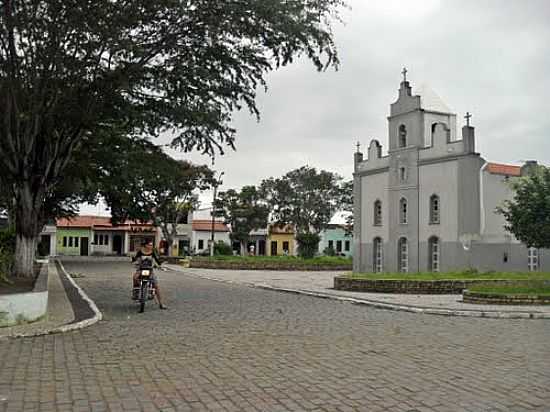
{"x":44,"y":245}
{"x":117,"y":244}
{"x":273,"y":248}
{"x":183,"y":247}
{"x":83,"y":246}
{"x":261,"y":247}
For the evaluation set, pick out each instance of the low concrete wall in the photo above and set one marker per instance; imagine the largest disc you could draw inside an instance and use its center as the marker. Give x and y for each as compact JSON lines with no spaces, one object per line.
{"x":487,"y":299}
{"x":418,"y":287}
{"x":26,"y":307}
{"x":205,"y":264}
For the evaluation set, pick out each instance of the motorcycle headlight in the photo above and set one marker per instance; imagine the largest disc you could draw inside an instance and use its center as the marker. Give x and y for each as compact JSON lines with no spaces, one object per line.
{"x":145,"y":273}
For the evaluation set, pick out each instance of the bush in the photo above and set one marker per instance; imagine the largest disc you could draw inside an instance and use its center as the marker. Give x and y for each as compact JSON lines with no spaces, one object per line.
{"x":7,"y":240}
{"x":329,"y":251}
{"x":7,"y":252}
{"x":222,"y":248}
{"x":308,"y":243}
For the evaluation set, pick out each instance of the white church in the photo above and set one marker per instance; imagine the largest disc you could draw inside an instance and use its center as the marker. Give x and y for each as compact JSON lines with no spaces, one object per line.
{"x":429,"y":204}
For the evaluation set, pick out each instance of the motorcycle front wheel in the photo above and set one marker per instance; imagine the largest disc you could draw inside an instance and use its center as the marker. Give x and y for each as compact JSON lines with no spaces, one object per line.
{"x":143,"y":296}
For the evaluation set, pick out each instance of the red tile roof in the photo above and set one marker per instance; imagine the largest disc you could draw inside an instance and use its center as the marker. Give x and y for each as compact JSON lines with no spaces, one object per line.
{"x":502,"y":169}
{"x":206,"y":226}
{"x":102,"y":223}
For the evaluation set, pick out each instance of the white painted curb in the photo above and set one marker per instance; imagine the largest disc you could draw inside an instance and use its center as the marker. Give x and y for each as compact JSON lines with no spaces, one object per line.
{"x":381,"y":305}
{"x":83,"y":323}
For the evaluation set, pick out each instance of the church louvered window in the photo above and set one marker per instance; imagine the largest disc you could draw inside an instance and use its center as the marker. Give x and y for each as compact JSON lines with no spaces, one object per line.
{"x":378,"y":257}
{"x":378,"y":213}
{"x":403,"y":255}
{"x":402,"y":136}
{"x":403,"y":211}
{"x":434,"y":250}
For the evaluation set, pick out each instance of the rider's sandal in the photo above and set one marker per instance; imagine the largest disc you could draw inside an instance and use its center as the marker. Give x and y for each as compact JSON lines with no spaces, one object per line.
{"x":163,"y":307}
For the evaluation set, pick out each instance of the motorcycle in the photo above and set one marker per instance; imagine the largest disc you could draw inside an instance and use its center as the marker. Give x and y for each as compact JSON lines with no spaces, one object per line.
{"x":145,"y":291}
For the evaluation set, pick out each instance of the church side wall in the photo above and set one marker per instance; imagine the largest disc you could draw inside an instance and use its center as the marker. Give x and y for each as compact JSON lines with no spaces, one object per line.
{"x":373,"y":187}
{"x":496,"y":189}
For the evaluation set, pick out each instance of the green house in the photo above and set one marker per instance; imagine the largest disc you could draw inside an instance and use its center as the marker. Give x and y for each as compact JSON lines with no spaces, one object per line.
{"x":336,"y":238}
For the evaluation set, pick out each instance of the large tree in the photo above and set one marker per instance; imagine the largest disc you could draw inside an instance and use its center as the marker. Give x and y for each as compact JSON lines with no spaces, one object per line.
{"x":72,"y":69}
{"x":528,"y":213}
{"x":305,"y":198}
{"x":244,"y":211}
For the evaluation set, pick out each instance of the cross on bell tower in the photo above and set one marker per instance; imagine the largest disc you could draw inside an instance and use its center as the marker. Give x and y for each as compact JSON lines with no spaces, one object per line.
{"x":404,"y":73}
{"x":467,"y":117}
{"x":358,"y":147}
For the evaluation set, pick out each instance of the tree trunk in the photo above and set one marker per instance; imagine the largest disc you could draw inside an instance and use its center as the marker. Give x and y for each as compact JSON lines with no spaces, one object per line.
{"x":25,"y":248}
{"x":28,"y":203}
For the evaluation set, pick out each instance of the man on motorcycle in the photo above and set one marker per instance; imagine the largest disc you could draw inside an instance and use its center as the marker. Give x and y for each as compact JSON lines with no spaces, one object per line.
{"x":147,"y":252}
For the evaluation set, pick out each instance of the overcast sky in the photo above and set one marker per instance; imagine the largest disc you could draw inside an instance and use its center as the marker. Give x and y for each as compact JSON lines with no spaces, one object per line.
{"x":488,"y":57}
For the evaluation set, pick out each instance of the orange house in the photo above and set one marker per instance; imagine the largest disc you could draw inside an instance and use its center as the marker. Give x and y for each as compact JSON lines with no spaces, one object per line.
{"x":281,"y":241}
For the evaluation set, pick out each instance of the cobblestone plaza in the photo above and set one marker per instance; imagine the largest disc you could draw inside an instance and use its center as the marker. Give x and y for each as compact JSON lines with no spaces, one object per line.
{"x":223,"y":347}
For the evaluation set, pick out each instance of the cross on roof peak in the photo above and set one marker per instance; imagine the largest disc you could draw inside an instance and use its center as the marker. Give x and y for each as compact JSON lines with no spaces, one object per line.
{"x":404,"y":73}
{"x":358,"y":147}
{"x":467,"y":117}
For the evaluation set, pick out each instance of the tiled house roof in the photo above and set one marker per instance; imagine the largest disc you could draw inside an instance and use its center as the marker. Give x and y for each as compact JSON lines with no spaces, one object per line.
{"x":206,"y":226}
{"x":102,"y":223}
{"x":502,"y":169}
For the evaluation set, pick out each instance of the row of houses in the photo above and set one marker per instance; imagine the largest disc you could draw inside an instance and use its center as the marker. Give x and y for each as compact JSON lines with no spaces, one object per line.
{"x":97,"y":236}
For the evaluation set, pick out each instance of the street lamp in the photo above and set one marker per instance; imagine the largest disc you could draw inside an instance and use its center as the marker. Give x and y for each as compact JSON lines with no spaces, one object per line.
{"x":217,"y":182}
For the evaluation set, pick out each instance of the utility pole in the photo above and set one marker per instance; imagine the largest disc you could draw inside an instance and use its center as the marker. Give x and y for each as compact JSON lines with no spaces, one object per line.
{"x":217,"y":182}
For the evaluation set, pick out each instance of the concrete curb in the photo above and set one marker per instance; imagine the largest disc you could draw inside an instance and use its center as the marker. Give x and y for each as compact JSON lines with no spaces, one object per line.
{"x":70,"y":326}
{"x":384,"y":305}
{"x":86,"y":322}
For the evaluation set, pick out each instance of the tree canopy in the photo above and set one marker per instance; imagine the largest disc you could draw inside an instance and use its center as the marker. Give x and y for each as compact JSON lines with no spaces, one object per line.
{"x":528,"y":213}
{"x":244,"y":211}
{"x":72,"y":70}
{"x":304,"y":197}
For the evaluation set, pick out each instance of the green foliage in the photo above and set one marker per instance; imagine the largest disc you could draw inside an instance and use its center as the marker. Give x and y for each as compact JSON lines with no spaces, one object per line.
{"x":7,"y":250}
{"x":329,"y":251}
{"x":294,"y":260}
{"x":529,"y":290}
{"x":304,"y":198}
{"x":528,"y":214}
{"x":244,"y":211}
{"x":222,"y":248}
{"x":308,"y":244}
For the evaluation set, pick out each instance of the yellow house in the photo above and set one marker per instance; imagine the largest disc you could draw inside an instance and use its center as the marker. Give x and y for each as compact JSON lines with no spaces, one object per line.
{"x":281,"y":241}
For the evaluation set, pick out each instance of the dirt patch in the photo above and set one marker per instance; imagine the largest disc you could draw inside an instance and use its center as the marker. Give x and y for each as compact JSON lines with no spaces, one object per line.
{"x":16,"y":285}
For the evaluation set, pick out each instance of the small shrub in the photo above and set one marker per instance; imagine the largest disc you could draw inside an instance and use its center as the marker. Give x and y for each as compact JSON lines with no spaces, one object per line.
{"x":308,"y":244}
{"x":222,"y":248}
{"x":329,"y":251}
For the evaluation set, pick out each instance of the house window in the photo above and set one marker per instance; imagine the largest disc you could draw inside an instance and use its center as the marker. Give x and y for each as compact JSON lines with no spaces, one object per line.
{"x":403,"y":255}
{"x":75,"y":242}
{"x":378,"y":258}
{"x":70,"y":241}
{"x":96,"y":240}
{"x":201,"y":244}
{"x":533,"y":259}
{"x":338,"y":246}
{"x":64,"y":241}
{"x":378,"y":213}
{"x":434,"y":251}
{"x":331,"y":244}
{"x":106,"y":240}
{"x":402,"y":174}
{"x":435,"y":208}
{"x":286,"y":247}
{"x":402,"y":136}
{"x":347,"y":245}
{"x":403,"y":211}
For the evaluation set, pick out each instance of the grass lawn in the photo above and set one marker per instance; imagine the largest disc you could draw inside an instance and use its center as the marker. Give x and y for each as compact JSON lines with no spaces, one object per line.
{"x":465,"y":275}
{"x":511,"y":290}
{"x":319,"y":260}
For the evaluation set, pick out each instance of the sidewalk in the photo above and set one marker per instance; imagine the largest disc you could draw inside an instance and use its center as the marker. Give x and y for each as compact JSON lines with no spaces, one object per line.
{"x":321,"y":284}
{"x":67,"y":309}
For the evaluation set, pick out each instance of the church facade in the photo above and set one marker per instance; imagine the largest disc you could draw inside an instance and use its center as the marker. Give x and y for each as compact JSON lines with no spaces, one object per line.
{"x":429,"y":204}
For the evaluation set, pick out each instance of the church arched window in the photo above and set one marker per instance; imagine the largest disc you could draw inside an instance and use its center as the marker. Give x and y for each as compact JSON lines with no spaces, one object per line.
{"x":403,"y":254}
{"x":378,"y":257}
{"x":435,"y":208}
{"x":402,"y":136}
{"x":434,"y":254}
{"x":377,"y":213}
{"x":403,"y":211}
